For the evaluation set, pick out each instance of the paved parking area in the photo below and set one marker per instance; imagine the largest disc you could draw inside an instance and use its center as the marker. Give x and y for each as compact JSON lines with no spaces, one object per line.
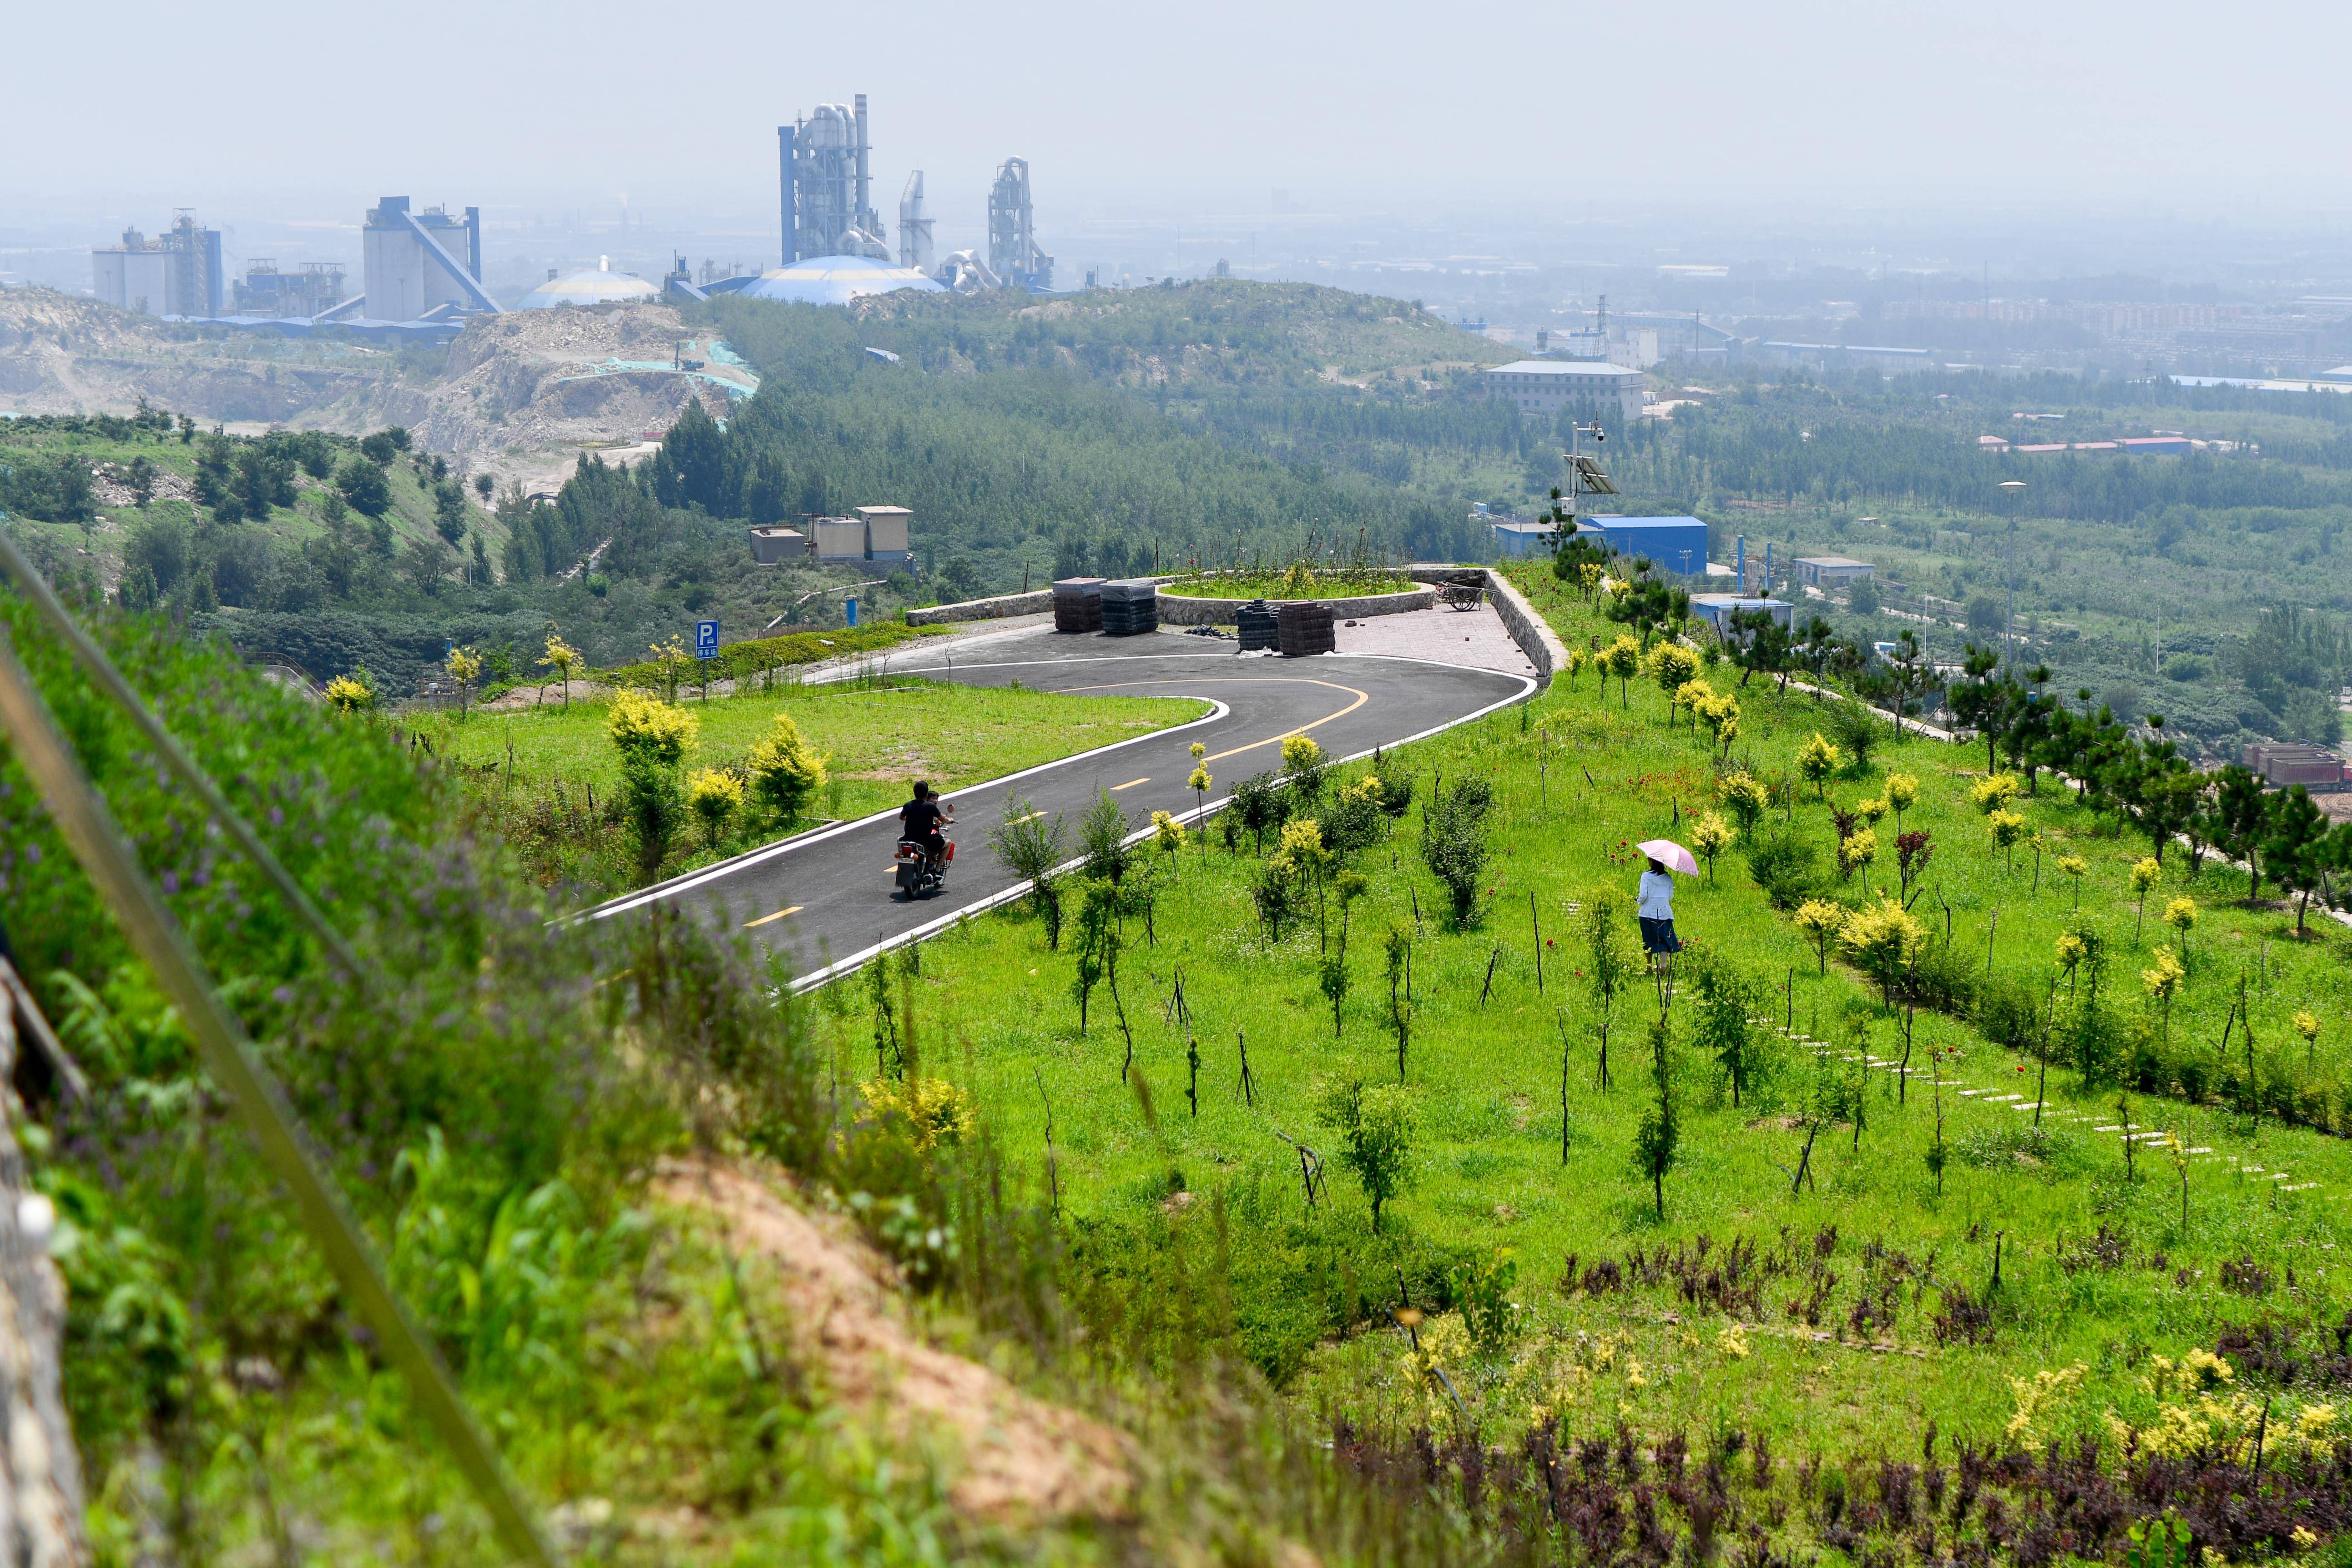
{"x":1470,"y":638}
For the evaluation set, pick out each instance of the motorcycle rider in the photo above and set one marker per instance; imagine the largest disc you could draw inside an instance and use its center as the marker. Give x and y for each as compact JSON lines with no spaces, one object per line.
{"x":922,"y":818}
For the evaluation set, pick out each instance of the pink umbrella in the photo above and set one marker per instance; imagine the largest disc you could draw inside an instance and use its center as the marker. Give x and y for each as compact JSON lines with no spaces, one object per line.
{"x":1670,"y":855}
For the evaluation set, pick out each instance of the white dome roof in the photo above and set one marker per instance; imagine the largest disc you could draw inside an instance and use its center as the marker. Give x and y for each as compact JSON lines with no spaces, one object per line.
{"x":836,"y":280}
{"x":589,"y":286}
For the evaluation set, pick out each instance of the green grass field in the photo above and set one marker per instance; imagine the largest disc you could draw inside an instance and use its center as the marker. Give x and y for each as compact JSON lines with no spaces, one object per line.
{"x":877,"y":739}
{"x":1281,"y":586}
{"x":1499,"y":1166}
{"x":535,"y":771}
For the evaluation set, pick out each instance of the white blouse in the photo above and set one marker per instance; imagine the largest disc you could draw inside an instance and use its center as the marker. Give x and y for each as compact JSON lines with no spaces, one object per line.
{"x":1657,"y":896}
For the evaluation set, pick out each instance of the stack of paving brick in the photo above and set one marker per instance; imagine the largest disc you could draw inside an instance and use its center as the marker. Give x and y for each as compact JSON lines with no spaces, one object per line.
{"x":1129,"y":606}
{"x":1303,"y":629}
{"x":1257,"y":621}
{"x":1078,"y":604}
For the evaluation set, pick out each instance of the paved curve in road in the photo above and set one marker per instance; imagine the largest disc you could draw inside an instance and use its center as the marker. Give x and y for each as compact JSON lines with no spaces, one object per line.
{"x":826,"y":898}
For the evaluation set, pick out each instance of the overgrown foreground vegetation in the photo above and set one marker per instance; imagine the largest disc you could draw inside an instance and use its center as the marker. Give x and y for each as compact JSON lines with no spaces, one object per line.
{"x":1559,"y":1274}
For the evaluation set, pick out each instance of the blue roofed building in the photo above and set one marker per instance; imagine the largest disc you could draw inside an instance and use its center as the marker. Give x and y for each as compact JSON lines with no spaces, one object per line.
{"x":1717,"y":609}
{"x":1676,"y":544}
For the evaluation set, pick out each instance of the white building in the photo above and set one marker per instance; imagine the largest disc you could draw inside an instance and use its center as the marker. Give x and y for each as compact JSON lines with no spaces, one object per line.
{"x":1827,"y":571}
{"x":1541,"y":386}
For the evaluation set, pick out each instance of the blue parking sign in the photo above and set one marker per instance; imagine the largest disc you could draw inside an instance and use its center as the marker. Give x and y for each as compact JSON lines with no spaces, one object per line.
{"x":705,"y":639}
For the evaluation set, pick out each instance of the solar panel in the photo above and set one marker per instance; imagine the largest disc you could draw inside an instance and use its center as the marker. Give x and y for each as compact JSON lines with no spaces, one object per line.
{"x":1591,"y":479}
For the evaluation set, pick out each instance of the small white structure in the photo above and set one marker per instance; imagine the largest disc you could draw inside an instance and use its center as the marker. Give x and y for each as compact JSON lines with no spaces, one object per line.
{"x":886,"y":534}
{"x":1827,"y":571}
{"x":774,"y":543}
{"x":1717,"y":609}
{"x":597,"y":285}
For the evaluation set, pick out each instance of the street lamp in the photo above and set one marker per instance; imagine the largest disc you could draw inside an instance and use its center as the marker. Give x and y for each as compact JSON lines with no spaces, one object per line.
{"x":2008,"y":617}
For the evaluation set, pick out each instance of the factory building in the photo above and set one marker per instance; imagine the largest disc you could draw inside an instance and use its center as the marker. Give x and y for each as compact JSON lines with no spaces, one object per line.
{"x":876,"y":536}
{"x":420,"y":265}
{"x":1676,"y":544}
{"x":1829,"y":570}
{"x":265,"y":293}
{"x":597,"y":285}
{"x":2284,"y":765}
{"x":1545,"y":387}
{"x":1012,"y":252}
{"x":1717,"y":609}
{"x":1513,"y":539}
{"x":177,"y":273}
{"x":826,"y":176}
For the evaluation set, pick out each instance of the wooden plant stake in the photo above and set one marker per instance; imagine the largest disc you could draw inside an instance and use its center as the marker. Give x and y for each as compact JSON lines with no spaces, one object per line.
{"x":1559,"y":1017}
{"x":1534,"y":925}
{"x":1489,"y":985}
{"x":1249,"y":1085}
{"x":1053,"y":1172}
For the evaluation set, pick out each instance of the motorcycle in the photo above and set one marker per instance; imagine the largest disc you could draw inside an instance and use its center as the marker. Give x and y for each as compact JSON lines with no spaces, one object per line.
{"x":921,"y":873}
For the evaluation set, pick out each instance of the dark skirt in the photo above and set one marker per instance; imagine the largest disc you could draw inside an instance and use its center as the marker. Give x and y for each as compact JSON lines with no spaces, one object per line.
{"x":1658,"y":936}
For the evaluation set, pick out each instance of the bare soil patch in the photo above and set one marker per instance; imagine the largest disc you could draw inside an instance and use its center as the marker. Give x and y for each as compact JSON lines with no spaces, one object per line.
{"x":1012,"y":1457}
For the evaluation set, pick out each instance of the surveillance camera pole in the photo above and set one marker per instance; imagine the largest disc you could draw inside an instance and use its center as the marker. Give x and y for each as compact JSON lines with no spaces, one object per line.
{"x":1576,"y":432}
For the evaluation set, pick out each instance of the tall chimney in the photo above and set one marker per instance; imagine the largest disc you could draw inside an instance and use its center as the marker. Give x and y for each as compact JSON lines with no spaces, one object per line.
{"x":784,"y":192}
{"x":863,"y":209}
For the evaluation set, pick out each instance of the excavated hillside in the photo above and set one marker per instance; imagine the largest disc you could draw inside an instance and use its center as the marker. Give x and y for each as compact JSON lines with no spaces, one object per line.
{"x":533,"y":387}
{"x":520,"y":394}
{"x":60,"y":353}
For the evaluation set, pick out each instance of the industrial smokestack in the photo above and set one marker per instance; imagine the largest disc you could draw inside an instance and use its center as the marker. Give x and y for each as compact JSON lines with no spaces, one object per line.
{"x":914,"y":226}
{"x":784,"y":194}
{"x":864,"y":205}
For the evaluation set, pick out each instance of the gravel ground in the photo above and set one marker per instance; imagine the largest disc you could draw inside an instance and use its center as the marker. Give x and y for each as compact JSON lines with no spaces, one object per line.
{"x":1474,"y":639}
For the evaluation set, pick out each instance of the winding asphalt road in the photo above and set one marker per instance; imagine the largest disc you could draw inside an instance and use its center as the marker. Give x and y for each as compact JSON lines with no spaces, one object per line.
{"x":826,"y":897}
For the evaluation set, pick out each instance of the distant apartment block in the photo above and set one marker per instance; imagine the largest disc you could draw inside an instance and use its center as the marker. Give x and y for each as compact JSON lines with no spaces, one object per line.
{"x":1548,"y":386}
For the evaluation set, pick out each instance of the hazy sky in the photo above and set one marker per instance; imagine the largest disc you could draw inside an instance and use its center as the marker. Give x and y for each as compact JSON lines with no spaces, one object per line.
{"x":1214,"y":101}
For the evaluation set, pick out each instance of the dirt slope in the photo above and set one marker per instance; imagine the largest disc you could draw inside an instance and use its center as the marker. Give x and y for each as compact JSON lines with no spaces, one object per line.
{"x":1012,"y":1458}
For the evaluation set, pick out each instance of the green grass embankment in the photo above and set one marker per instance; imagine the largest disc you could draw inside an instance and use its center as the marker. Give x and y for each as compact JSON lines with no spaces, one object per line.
{"x":1826,"y":1340}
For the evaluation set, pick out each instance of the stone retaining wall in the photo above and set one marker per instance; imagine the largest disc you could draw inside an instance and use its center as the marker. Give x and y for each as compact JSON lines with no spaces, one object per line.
{"x":1035,"y":603}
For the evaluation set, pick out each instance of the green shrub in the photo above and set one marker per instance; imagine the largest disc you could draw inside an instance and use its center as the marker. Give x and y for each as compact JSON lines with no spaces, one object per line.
{"x":2008,"y":1013}
{"x":1453,"y":843}
{"x":1261,"y":805}
{"x":1786,"y":867}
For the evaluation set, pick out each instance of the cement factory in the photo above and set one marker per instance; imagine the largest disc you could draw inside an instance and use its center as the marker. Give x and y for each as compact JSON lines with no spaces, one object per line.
{"x":421,"y":269}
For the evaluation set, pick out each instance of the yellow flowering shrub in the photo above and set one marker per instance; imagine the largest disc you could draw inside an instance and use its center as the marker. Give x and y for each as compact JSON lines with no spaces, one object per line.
{"x":933,"y":1110}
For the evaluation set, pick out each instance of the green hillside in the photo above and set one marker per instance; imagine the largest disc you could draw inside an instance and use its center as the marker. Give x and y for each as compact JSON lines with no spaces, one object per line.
{"x":1737,"y":1286}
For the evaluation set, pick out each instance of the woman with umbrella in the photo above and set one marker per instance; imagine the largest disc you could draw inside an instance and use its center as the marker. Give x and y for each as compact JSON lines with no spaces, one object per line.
{"x":1656,"y":912}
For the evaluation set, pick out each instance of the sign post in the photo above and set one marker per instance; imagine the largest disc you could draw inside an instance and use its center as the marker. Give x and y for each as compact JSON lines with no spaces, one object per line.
{"x":705,"y":639}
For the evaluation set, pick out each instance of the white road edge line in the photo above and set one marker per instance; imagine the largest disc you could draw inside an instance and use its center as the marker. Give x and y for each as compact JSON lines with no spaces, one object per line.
{"x":839,"y":967}
{"x":689,"y":880}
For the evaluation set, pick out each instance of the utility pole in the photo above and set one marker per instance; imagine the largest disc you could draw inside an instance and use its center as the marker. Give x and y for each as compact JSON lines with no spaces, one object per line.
{"x":2008,"y":617}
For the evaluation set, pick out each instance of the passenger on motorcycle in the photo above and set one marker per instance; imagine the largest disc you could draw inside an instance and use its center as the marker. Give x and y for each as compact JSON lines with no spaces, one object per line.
{"x":922,"y":818}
